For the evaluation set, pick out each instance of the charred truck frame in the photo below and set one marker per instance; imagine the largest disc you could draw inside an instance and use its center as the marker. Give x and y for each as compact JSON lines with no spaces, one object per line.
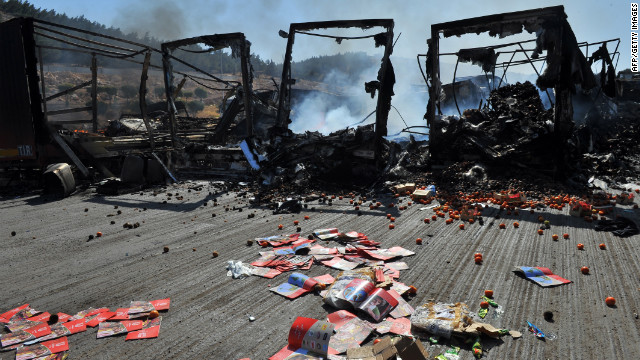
{"x":32,"y":134}
{"x":383,"y":84}
{"x":240,"y":48}
{"x":28,"y":125}
{"x":566,"y":65}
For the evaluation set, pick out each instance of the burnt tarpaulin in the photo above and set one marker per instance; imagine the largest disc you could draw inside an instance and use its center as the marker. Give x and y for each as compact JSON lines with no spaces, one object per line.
{"x":566,"y":65}
{"x":483,"y":57}
{"x":608,"y":72}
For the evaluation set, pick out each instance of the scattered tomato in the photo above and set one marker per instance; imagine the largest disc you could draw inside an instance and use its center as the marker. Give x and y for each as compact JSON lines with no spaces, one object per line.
{"x":610,"y":301}
{"x":516,"y":224}
{"x":554,"y":236}
{"x":502,"y":226}
{"x":388,"y":216}
{"x":478,"y":260}
{"x":377,"y":340}
{"x":584,"y":270}
{"x":602,"y":246}
{"x":488,"y":293}
{"x":99,"y":234}
{"x":214,"y":254}
{"x":540,"y":231}
{"x":391,"y":226}
{"x":296,"y":222}
{"x":280,"y":226}
{"x":484,"y":305}
{"x":153,"y":314}
{"x":419,"y":241}
{"x":580,"y":246}
{"x":461,"y":226}
{"x":565,"y":235}
{"x":392,"y":219}
{"x":306,"y":217}
{"x":434,"y":217}
{"x":412,"y":290}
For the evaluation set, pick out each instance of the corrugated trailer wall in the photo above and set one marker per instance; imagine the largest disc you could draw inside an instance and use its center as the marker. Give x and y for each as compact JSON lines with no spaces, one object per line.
{"x":17,"y":134}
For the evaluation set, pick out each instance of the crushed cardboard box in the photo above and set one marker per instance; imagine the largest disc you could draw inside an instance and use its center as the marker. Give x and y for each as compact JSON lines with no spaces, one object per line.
{"x":404,"y":347}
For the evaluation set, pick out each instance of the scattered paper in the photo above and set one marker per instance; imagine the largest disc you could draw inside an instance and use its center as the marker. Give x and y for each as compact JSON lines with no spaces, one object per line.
{"x":541,"y":276}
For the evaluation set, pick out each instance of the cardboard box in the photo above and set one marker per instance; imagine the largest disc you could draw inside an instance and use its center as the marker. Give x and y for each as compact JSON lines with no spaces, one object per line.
{"x":387,"y":349}
{"x":403,"y":188}
{"x":511,"y":198}
{"x":625,"y":198}
{"x":469,"y":213}
{"x":579,"y":208}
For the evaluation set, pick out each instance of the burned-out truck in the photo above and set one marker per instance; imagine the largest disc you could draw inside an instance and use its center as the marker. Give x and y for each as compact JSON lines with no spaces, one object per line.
{"x":37,"y":129}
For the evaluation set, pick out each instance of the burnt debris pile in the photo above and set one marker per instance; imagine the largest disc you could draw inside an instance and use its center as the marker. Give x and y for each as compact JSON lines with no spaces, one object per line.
{"x":514,"y":129}
{"x":342,"y":157}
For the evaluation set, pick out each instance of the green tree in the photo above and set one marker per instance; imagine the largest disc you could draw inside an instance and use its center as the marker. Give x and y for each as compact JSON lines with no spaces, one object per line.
{"x":195,"y":106}
{"x":200,"y":93}
{"x":128,"y":91}
{"x":111,"y":91}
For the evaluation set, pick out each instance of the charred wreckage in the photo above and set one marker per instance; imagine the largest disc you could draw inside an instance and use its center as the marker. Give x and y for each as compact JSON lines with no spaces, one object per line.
{"x":567,"y":130}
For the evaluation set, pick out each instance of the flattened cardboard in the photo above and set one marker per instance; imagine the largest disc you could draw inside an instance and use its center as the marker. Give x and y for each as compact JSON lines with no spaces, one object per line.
{"x":150,"y":329}
{"x":266,"y":272}
{"x":297,"y":284}
{"x":25,"y":335}
{"x":541,"y":276}
{"x":409,"y":348}
{"x":5,"y":317}
{"x":106,"y":329}
{"x":340,"y":264}
{"x":307,"y":337}
{"x":325,"y":234}
{"x":43,"y":349}
{"x":93,"y":321}
{"x":350,"y":335}
{"x":64,"y":329}
{"x":146,"y":306}
{"x":121,"y":314}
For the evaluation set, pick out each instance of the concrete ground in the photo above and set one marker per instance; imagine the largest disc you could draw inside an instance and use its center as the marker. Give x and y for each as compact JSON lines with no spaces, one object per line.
{"x":50,"y":264}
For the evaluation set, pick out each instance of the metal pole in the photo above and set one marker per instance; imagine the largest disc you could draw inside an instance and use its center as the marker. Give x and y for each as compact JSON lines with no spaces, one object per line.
{"x":94,"y":92}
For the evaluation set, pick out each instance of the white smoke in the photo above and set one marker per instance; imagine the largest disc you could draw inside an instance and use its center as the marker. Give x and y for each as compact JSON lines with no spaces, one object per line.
{"x":345,"y":104}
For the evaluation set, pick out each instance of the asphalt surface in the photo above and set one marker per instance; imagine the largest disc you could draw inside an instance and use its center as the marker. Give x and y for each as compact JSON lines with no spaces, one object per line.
{"x":50,"y":264}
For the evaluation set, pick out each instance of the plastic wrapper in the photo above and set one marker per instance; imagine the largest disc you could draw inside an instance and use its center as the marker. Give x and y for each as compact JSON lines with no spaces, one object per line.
{"x":441,"y":319}
{"x":448,"y":320}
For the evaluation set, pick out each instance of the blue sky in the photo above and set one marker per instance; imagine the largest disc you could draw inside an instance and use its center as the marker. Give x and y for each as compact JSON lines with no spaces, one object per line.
{"x":591,"y":20}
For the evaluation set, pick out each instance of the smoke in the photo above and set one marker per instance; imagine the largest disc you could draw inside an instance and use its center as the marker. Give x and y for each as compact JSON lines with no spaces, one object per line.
{"x":345,"y":103}
{"x":161,"y":19}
